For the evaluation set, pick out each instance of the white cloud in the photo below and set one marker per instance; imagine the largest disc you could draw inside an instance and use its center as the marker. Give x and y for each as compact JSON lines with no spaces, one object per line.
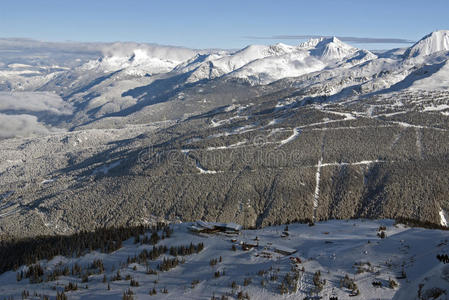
{"x":20,"y":126}
{"x":95,"y":49}
{"x":19,"y":120}
{"x":158,"y":51}
{"x":34,"y":102}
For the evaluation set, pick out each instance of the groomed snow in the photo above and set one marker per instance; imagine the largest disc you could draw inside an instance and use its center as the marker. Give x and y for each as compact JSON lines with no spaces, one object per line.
{"x":335,"y":248}
{"x":236,"y":145}
{"x":316,"y":194}
{"x":358,"y":163}
{"x":106,"y":168}
{"x":436,"y":108}
{"x":204,"y":171}
{"x":443,"y":218}
{"x":295,"y":134}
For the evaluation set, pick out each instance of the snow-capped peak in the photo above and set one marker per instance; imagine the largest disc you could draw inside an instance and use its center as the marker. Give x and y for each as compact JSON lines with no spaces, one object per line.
{"x":253,"y":52}
{"x":261,"y":64}
{"x":332,"y":48}
{"x":222,"y":63}
{"x":310,"y":43}
{"x":434,"y":42}
{"x":327,"y":48}
{"x":138,"y":62}
{"x":139,"y":56}
{"x":281,"y":48}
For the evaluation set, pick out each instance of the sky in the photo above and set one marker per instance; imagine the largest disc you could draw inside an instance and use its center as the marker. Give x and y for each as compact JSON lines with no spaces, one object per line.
{"x":222,"y":24}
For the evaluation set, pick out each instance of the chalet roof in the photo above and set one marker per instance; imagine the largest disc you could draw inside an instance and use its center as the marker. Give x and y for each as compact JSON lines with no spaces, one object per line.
{"x":283,"y":249}
{"x":207,"y":225}
{"x":213,"y":225}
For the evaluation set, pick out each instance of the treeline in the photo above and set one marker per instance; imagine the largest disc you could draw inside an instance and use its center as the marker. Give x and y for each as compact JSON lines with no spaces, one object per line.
{"x":157,"y":251}
{"x":147,"y":255}
{"x":170,"y":263}
{"x":186,"y":250}
{"x":418,"y":223}
{"x":28,"y":251}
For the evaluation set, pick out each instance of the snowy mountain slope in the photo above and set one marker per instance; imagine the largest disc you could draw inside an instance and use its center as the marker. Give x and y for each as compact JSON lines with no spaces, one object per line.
{"x":370,"y":141}
{"x":435,"y":75}
{"x":108,"y":86}
{"x":265,"y":64}
{"x":247,"y":103}
{"x":262,"y":271}
{"x":430,"y":285}
{"x":379,"y":75}
{"x":332,"y":49}
{"x":145,"y":83}
{"x":215,"y":65}
{"x":269,"y":69}
{"x":256,"y":63}
{"x":140,"y":60}
{"x":434,"y":42}
{"x":324,"y":67}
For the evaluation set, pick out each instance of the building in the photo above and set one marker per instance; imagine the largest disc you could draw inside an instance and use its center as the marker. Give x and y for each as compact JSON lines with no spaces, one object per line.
{"x":212,"y":227}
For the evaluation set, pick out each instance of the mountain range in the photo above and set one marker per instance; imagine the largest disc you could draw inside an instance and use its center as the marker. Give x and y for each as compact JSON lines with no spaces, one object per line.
{"x":125,"y":133}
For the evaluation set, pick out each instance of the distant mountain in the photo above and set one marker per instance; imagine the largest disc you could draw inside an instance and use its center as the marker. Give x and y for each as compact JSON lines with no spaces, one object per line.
{"x":139,"y":60}
{"x":432,"y":43}
{"x":264,"y":64}
{"x":331,"y":49}
{"x":121,"y":80}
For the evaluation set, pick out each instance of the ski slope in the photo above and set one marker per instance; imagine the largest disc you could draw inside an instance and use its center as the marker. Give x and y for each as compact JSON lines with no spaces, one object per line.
{"x":335,"y":248}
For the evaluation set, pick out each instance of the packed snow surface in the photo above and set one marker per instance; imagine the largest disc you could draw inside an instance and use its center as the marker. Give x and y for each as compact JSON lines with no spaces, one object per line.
{"x":335,"y":248}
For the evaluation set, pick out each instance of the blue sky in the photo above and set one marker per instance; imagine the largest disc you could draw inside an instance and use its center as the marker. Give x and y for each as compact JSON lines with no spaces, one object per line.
{"x":220,"y":24}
